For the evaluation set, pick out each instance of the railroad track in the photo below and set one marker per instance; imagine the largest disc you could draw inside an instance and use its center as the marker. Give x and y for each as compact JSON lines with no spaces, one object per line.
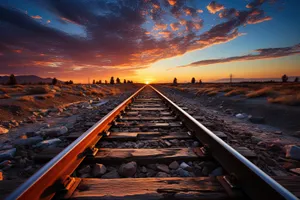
{"x":150,"y":148}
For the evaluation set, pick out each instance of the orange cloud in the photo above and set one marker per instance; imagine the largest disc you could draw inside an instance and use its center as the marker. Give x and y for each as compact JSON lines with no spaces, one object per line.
{"x":268,"y":53}
{"x":172,"y":2}
{"x":160,"y":27}
{"x":174,"y":26}
{"x":258,"y":20}
{"x":214,"y":7}
{"x":36,"y":17}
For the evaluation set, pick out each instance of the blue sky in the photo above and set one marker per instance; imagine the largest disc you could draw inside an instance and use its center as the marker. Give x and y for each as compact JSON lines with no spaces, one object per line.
{"x":136,"y":40}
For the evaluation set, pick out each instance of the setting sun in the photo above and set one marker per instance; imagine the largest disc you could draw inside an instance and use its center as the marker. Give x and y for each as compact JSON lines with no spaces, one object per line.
{"x":147,"y":82}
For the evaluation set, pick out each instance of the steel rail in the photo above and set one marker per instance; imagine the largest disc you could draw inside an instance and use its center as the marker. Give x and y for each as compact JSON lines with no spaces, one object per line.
{"x":254,"y":182}
{"x":44,"y":183}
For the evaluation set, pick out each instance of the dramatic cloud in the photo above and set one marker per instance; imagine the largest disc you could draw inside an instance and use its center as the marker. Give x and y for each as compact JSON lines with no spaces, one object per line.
{"x":214,"y":7}
{"x":269,"y":53}
{"x":114,"y":36}
{"x":36,"y":17}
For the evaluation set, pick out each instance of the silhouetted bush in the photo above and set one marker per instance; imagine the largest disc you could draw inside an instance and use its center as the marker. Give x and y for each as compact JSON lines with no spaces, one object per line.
{"x":54,"y":81}
{"x":112,"y":80}
{"x":284,"y":78}
{"x":12,"y":80}
{"x":296,"y":80}
{"x":193,"y":80}
{"x":118,"y":81}
{"x":175,"y":81}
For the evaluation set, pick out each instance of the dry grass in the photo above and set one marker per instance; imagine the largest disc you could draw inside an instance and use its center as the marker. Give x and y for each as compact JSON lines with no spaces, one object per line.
{"x":46,"y":96}
{"x":292,"y":100}
{"x":266,"y":91}
{"x":237,"y":91}
{"x":211,"y":91}
{"x":26,"y":98}
{"x":11,"y":89}
{"x":4,"y":96}
{"x":38,"y":90}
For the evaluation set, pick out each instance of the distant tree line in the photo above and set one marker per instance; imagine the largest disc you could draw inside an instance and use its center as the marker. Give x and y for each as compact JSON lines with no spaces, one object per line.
{"x":112,"y":81}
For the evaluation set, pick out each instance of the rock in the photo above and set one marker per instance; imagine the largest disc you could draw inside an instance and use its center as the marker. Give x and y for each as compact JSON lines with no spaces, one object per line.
{"x":168,"y":143}
{"x":293,"y":152}
{"x":56,"y":131}
{"x":163,"y":167}
{"x":31,"y":134}
{"x":128,"y":170}
{"x":185,"y":166}
{"x":162,"y":174}
{"x":3,"y":130}
{"x":183,"y":173}
{"x":174,"y":165}
{"x":255,"y":139}
{"x":98,"y":170}
{"x":152,"y":166}
{"x":111,"y":174}
{"x":151,"y":173}
{"x":241,"y":116}
{"x":87,"y":175}
{"x":46,"y":143}
{"x":85,"y":169}
{"x":7,"y":154}
{"x":278,"y":132}
{"x":296,"y":134}
{"x":295,"y":170}
{"x":29,"y":141}
{"x":4,"y":163}
{"x":257,"y":120}
{"x":144,"y":169}
{"x":217,"y":172}
{"x":195,"y":144}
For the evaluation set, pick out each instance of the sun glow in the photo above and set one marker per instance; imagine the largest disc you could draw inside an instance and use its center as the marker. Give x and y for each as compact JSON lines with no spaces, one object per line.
{"x":147,"y":82}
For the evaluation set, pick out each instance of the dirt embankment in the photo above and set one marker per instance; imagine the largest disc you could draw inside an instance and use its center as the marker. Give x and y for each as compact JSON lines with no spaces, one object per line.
{"x":274,"y":104}
{"x":21,"y":101}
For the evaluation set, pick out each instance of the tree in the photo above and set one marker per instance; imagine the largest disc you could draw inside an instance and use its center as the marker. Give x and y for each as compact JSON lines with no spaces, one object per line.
{"x":94,"y":82}
{"x":69,"y":82}
{"x":105,"y":81}
{"x":100,"y":82}
{"x":118,"y":81}
{"x":284,"y":78}
{"x":54,"y":81}
{"x":200,"y":81}
{"x":296,"y":80}
{"x":175,"y":81}
{"x":12,"y":80}
{"x":193,"y":80}
{"x":124,"y":81}
{"x":112,"y":80}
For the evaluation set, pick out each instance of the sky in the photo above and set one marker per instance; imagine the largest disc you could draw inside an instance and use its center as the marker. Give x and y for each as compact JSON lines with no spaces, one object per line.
{"x":150,"y":40}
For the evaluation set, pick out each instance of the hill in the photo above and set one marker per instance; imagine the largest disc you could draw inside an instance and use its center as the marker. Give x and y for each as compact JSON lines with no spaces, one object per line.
{"x":26,"y":79}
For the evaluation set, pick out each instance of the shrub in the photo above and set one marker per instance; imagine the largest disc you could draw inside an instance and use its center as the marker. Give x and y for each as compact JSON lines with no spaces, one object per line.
{"x":12,"y":80}
{"x":261,"y":92}
{"x":4,"y":96}
{"x":235,"y":92}
{"x":39,"y":90}
{"x":26,"y":98}
{"x":292,"y":100}
{"x":46,"y":96}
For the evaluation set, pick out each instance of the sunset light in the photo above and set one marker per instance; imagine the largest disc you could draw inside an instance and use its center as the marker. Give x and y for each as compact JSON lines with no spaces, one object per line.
{"x":147,"y":99}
